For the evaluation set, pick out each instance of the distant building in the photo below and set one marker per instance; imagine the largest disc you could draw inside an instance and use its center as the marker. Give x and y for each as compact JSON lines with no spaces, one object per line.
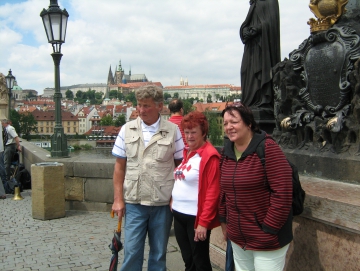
{"x":98,"y":87}
{"x":46,"y":122}
{"x":120,"y":77}
{"x":22,"y":94}
{"x":201,"y":92}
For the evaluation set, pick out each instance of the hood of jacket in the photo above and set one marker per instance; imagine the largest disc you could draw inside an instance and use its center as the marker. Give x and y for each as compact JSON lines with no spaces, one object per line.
{"x":257,"y":138}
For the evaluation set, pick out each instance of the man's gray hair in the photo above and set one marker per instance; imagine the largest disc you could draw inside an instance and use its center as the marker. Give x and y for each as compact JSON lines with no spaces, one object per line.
{"x":5,"y":121}
{"x":150,"y":91}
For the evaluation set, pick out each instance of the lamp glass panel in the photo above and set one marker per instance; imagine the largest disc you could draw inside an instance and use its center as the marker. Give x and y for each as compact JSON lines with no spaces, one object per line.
{"x":63,"y":28}
{"x":8,"y":82}
{"x":55,"y":23}
{"x":47,"y":26}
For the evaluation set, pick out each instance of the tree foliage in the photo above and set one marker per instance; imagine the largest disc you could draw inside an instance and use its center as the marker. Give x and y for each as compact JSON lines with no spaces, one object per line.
{"x":120,"y":120}
{"x":131,"y":97}
{"x":188,"y":106}
{"x":215,"y":132}
{"x":24,"y":123}
{"x":91,"y":95}
{"x":107,"y":121}
{"x":69,"y":95}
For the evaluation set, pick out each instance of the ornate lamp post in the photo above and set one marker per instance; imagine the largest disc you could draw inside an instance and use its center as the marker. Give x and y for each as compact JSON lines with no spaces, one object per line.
{"x":10,"y":79}
{"x":55,"y":22}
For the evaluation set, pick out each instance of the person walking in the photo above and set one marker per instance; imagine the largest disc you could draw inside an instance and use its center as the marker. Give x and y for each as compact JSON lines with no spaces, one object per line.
{"x":147,"y":150}
{"x":176,"y":108}
{"x":2,"y":167}
{"x":255,"y":206}
{"x":11,"y":144}
{"x":195,"y":196}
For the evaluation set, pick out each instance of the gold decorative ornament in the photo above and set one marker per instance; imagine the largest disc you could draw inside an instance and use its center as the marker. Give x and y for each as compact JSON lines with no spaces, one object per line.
{"x":327,"y":13}
{"x":17,"y":195}
{"x":285,"y":123}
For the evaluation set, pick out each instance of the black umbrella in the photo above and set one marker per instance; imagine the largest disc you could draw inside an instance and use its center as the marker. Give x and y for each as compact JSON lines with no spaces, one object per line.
{"x":115,"y":246}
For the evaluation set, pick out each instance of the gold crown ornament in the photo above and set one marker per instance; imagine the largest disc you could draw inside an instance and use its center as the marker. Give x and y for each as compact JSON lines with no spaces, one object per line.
{"x":327,"y":13}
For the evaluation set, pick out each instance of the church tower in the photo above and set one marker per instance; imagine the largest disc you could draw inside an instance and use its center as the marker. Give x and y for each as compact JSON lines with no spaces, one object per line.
{"x":119,"y":73}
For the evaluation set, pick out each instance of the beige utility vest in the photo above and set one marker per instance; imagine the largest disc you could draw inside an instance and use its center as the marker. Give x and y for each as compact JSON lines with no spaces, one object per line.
{"x":149,"y":176}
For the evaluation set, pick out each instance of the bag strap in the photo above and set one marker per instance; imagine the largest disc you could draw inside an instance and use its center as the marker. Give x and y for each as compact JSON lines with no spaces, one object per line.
{"x":260,"y":151}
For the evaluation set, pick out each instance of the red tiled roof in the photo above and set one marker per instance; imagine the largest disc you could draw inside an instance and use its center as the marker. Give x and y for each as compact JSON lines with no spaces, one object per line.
{"x":201,"y":107}
{"x":40,"y":115}
{"x":107,"y":130}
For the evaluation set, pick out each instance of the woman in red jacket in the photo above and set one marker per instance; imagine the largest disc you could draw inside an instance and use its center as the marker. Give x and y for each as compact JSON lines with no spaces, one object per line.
{"x":255,"y":211}
{"x":195,"y":196}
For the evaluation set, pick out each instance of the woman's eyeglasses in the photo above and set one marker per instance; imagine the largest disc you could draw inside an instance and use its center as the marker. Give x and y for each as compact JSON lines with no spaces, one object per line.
{"x":236,"y":103}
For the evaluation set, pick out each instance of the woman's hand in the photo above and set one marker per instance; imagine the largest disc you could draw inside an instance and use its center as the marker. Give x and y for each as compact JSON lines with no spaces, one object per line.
{"x":200,"y":233}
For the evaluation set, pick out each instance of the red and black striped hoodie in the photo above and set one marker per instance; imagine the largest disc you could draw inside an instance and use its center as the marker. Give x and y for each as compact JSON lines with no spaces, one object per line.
{"x":257,"y":212}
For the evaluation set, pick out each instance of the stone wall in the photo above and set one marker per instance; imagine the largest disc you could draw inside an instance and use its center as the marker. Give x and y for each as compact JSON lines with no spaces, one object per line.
{"x":326,"y":235}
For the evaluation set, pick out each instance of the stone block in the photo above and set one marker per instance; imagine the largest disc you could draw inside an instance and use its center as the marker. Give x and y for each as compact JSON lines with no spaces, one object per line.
{"x":317,"y":246}
{"x":74,"y":188}
{"x":48,"y":191}
{"x":94,"y":169}
{"x":99,"y":190}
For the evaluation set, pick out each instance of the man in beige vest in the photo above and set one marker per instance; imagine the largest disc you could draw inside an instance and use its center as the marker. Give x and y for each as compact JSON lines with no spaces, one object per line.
{"x":146,"y":150}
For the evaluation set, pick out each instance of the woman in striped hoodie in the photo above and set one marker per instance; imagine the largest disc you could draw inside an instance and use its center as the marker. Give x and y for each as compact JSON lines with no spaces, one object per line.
{"x":255,"y":211}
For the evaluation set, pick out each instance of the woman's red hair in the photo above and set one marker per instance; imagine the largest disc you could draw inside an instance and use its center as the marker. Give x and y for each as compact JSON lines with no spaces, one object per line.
{"x":193,"y":119}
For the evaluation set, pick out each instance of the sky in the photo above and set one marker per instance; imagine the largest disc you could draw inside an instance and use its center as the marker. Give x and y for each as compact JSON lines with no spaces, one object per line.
{"x":163,"y":39}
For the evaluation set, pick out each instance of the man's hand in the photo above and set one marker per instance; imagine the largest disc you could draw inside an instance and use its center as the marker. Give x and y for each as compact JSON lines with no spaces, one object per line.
{"x":119,"y":208}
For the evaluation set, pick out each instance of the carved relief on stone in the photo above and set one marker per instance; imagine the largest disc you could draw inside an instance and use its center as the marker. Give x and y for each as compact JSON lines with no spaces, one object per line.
{"x":313,"y":92}
{"x":3,"y":89}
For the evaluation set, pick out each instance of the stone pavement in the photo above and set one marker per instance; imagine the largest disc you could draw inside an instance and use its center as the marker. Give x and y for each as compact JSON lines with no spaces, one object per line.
{"x":78,"y":241}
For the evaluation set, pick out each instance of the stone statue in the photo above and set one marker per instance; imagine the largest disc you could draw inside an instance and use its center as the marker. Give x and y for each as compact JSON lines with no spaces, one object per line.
{"x":260,"y":32}
{"x":3,"y":88}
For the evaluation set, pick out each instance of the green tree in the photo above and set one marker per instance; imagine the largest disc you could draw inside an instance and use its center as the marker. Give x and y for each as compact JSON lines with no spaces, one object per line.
{"x":28,"y":124}
{"x":188,"y":106}
{"x":176,"y":95}
{"x":120,"y":120}
{"x":209,"y":98}
{"x":15,"y":119}
{"x":80,"y":97}
{"x":113,"y":94}
{"x":24,"y":123}
{"x":215,"y":132}
{"x":131,"y":97}
{"x":166,"y":96}
{"x":69,"y":95}
{"x":107,"y":121}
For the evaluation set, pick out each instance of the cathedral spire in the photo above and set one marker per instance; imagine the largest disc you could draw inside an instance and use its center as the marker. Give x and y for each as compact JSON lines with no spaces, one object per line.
{"x":110,"y":80}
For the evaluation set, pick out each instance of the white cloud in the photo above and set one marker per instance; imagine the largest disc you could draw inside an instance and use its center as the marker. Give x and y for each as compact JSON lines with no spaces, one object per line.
{"x":165,"y":40}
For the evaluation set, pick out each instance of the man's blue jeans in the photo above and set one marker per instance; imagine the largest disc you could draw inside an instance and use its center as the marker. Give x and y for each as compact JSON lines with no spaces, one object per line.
{"x":141,"y":220}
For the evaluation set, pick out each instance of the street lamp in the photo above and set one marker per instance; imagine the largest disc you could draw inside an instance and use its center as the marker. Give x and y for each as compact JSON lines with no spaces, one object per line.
{"x":10,"y":79}
{"x":55,"y":22}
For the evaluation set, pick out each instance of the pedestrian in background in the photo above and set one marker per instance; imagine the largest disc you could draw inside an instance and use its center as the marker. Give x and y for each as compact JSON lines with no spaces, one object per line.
{"x":2,"y":167}
{"x":11,"y":145}
{"x":176,"y":108}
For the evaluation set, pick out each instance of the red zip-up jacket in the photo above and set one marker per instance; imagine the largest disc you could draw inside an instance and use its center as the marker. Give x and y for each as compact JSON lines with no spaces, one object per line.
{"x":209,"y":186}
{"x":258,"y":217}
